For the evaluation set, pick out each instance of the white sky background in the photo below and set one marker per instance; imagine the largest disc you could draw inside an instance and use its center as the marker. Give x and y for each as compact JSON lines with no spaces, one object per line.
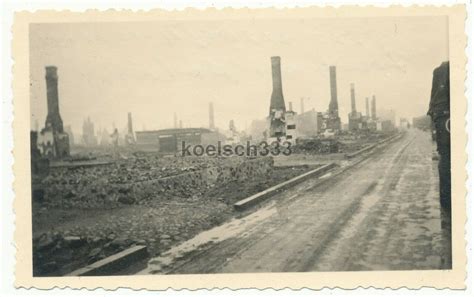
{"x":154,"y":69}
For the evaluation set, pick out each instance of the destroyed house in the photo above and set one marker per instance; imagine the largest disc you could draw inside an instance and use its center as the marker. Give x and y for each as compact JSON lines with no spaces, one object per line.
{"x":170,"y":140}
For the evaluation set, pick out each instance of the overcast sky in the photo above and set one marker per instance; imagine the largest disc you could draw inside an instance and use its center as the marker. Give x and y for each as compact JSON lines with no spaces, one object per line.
{"x":154,"y":69}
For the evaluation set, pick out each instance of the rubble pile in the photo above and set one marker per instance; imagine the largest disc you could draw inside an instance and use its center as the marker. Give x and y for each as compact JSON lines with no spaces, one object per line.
{"x":160,"y":224}
{"x":317,"y":146}
{"x":56,"y":254}
{"x":140,"y":179}
{"x":237,"y":190}
{"x":345,"y":143}
{"x":351,"y":146}
{"x":353,"y":143}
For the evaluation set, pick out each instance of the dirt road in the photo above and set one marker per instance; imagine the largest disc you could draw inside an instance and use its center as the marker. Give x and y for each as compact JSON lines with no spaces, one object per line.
{"x":381,"y":214}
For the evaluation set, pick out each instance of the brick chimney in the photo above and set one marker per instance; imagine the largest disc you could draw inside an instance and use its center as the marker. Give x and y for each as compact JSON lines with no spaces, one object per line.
{"x":353,"y":100}
{"x":277,"y":101}
{"x":374,"y":108}
{"x":333,"y":105}
{"x":53,"y":118}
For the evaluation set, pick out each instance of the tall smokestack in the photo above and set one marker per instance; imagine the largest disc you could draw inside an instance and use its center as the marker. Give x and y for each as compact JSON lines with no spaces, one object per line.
{"x":129,"y":124}
{"x":180,"y":124}
{"x":53,"y":119}
{"x":211,"y":116}
{"x":353,"y":100}
{"x":277,"y":101}
{"x":175,"y":121}
{"x":290,"y":106}
{"x":367,"y":107}
{"x":302,"y":105}
{"x":374,"y":108}
{"x":333,"y":106}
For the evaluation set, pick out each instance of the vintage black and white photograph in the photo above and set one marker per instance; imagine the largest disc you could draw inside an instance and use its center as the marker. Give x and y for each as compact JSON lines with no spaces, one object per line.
{"x":255,"y":145}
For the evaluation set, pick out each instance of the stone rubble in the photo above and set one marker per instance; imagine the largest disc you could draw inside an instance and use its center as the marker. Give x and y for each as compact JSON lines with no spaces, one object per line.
{"x":135,"y":180}
{"x":148,"y":217}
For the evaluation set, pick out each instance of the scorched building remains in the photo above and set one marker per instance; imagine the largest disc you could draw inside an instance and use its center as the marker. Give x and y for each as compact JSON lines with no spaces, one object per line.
{"x":52,"y":141}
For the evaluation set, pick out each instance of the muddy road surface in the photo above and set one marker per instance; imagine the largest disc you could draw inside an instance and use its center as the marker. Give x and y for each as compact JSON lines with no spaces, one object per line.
{"x":378,"y":213}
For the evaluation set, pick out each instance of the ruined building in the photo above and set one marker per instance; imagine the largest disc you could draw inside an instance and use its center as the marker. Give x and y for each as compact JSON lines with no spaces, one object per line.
{"x":355,"y":118}
{"x":88,"y":133}
{"x":291,"y":119}
{"x":39,"y":164}
{"x":303,"y":125}
{"x":211,"y":116}
{"x":364,"y":125}
{"x":129,"y":137}
{"x":232,"y":136}
{"x":387,"y":115}
{"x":333,"y":122}
{"x":257,"y":130}
{"x":170,"y":140}
{"x":309,"y":123}
{"x":404,"y":124}
{"x":52,"y":141}
{"x":114,"y":138}
{"x":104,"y":137}
{"x":373,"y":124}
{"x":277,"y":111}
{"x":386,"y":120}
{"x":70,"y":134}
